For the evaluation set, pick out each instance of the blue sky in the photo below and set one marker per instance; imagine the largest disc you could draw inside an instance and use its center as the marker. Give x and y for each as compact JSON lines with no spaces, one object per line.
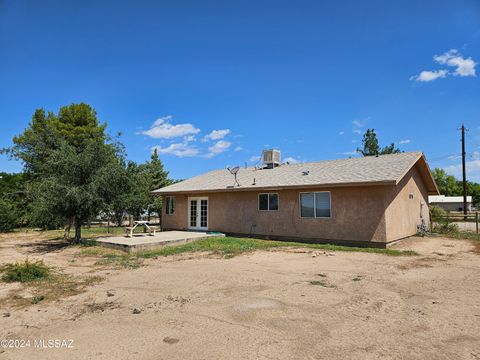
{"x":213,"y":83}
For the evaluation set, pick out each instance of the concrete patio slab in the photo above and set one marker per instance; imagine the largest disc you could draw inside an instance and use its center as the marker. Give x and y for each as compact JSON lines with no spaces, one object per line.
{"x":159,"y":240}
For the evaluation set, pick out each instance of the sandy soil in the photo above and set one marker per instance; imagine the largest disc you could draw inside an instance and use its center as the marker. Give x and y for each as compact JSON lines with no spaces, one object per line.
{"x":261,"y":305}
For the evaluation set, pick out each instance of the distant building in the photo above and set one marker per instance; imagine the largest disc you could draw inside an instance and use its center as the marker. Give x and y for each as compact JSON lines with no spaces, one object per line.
{"x":450,"y":203}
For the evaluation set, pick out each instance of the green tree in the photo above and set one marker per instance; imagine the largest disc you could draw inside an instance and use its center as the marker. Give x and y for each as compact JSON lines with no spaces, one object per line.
{"x":157,"y":177}
{"x":8,"y":219}
{"x":138,"y":197}
{"x":447,"y":184}
{"x":76,"y":124}
{"x":473,"y":189}
{"x":371,"y":146}
{"x":79,"y":185}
{"x":12,"y":201}
{"x":75,"y":170}
{"x":143,"y":179}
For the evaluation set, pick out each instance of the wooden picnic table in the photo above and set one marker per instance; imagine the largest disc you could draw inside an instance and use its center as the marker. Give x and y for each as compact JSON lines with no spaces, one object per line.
{"x":145,"y":224}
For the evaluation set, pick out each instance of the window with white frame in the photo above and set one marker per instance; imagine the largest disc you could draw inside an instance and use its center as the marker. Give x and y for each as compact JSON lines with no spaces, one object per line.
{"x":315,"y":204}
{"x":268,"y":202}
{"x":169,"y":205}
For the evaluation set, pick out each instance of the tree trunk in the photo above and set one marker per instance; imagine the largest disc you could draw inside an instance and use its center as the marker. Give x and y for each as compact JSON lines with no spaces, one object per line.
{"x":78,"y":231}
{"x":66,"y":232}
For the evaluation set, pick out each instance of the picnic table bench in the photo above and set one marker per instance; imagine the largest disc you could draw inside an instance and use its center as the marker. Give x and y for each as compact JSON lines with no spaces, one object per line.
{"x":151,"y":229}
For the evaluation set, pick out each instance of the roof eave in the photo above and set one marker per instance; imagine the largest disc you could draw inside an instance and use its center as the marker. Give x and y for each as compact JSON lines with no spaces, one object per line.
{"x":432,"y":188}
{"x":285,"y":187}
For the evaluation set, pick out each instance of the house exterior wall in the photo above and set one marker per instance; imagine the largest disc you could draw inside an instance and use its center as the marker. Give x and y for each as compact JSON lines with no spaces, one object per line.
{"x":378,"y":214}
{"x":403,"y":213}
{"x":357,"y":214}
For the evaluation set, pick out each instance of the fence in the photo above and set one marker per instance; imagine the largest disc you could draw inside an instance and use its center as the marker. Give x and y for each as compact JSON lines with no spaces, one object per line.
{"x":468,"y":222}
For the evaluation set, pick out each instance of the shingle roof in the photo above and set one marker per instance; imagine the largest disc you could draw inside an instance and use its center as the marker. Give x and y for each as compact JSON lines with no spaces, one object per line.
{"x":361,"y":171}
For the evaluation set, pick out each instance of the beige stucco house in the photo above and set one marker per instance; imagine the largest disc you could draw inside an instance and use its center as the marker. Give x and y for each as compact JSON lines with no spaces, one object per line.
{"x":369,"y":201}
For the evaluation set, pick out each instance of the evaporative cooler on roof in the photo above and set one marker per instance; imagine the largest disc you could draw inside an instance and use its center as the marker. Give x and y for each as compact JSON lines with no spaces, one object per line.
{"x":271,"y":158}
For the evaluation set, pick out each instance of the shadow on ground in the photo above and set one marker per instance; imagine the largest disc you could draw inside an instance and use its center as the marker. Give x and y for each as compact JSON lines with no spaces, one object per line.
{"x":45,"y":246}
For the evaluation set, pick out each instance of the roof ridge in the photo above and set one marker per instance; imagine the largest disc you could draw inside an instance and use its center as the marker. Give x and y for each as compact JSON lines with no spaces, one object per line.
{"x":338,"y":160}
{"x":361,"y":170}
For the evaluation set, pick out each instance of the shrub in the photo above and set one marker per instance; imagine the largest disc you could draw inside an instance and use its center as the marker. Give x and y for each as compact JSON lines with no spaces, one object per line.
{"x":445,"y":228}
{"x":437,"y":212}
{"x":25,"y":271}
{"x":8,"y":216}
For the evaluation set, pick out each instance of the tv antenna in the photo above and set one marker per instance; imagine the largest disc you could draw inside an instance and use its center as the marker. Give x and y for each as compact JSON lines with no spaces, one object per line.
{"x":234,"y":172}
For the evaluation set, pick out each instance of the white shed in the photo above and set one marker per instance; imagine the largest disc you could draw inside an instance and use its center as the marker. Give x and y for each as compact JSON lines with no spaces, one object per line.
{"x":450,"y":203}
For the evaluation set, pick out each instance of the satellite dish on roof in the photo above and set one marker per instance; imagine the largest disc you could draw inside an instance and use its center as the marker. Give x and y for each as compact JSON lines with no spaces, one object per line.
{"x":234,"y":172}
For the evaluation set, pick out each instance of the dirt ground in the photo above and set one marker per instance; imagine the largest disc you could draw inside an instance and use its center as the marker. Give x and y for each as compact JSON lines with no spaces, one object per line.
{"x":279,"y":304}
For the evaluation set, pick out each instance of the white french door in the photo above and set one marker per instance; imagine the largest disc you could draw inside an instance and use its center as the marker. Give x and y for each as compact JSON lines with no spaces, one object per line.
{"x":198,"y":213}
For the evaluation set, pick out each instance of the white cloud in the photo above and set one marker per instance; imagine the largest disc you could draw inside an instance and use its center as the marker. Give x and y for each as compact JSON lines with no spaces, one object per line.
{"x":473,"y":170}
{"x":291,"y":160}
{"x":255,"y":159}
{"x":472,"y":166}
{"x":217,"y":134}
{"x":357,"y":126}
{"x":341,"y":133}
{"x":464,"y":67}
{"x":238,"y":148}
{"x":162,"y":129}
{"x":358,"y":123}
{"x":218,"y":148}
{"x":162,"y":120}
{"x":179,"y":150}
{"x":349,"y":153}
{"x":189,"y":138}
{"x":426,"y":76}
{"x":406,"y":141}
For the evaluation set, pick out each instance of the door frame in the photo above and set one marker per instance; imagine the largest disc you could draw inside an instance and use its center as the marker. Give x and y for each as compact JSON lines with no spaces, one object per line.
{"x":199,"y":215}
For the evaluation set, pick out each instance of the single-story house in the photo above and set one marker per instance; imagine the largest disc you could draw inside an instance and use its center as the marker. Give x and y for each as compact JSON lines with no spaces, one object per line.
{"x":450,"y":203}
{"x":368,"y":201}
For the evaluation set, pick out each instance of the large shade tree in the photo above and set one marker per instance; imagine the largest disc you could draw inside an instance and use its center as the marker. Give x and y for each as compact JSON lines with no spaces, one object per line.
{"x":75,"y":169}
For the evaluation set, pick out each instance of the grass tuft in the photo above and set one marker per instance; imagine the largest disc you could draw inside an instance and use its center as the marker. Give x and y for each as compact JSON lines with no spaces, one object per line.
{"x":25,"y":271}
{"x":88,"y":243}
{"x":227,"y":247}
{"x":36,"y":299}
{"x":461,"y":235}
{"x":55,"y":287}
{"x":231,"y":246}
{"x":321,"y":283}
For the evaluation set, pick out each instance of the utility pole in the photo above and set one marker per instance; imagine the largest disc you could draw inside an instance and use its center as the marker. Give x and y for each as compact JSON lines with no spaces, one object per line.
{"x":464,"y":174}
